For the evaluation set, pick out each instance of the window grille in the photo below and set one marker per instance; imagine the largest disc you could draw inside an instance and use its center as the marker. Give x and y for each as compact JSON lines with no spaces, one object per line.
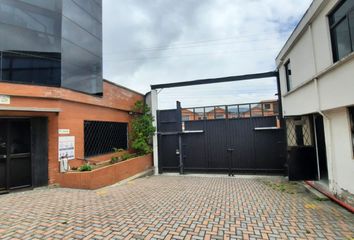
{"x":299,"y":131}
{"x":103,"y":137}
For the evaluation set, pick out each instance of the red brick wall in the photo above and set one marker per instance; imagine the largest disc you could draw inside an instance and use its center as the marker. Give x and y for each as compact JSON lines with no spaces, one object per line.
{"x":74,"y":109}
{"x":107,"y":175}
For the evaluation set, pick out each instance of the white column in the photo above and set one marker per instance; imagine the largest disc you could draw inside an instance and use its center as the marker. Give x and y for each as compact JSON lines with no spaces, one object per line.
{"x":154,"y":108}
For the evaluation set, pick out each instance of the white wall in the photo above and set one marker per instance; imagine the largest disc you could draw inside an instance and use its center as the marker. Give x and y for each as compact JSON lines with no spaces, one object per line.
{"x":301,"y":102}
{"x":343,"y":166}
{"x":302,"y":60}
{"x":336,"y":88}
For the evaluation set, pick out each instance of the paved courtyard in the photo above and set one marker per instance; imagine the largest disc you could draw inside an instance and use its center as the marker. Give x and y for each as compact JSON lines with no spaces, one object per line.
{"x":172,"y":207}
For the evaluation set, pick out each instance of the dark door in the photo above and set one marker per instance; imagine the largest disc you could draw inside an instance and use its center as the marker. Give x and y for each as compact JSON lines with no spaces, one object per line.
{"x":302,"y":159}
{"x":15,"y":153}
{"x":3,"y":155}
{"x":39,"y":151}
{"x":20,"y":170}
{"x":321,"y":147}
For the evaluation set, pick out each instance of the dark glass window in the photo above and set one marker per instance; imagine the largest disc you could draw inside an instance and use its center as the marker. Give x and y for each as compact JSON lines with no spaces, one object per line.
{"x":81,"y":70}
{"x":82,"y":18}
{"x":23,"y":15}
{"x":32,"y":68}
{"x":53,"y":5}
{"x":82,"y":38}
{"x":94,"y":8}
{"x":30,"y":36}
{"x":82,"y":46}
{"x":103,"y":137}
{"x":351,"y":117}
{"x":52,"y":42}
{"x":342,"y":29}
{"x":288,"y":76}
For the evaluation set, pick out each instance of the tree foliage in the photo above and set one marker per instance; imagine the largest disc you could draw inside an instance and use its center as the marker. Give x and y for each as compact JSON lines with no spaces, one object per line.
{"x":142,"y":129}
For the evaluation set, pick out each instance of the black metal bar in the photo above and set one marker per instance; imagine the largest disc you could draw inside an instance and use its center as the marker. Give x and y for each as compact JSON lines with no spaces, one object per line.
{"x":280,"y":102}
{"x":216,"y":80}
{"x":179,"y":128}
{"x":8,"y":152}
{"x":179,"y":133}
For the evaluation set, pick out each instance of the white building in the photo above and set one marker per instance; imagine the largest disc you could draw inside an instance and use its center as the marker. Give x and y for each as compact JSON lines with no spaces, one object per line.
{"x":316,"y":67}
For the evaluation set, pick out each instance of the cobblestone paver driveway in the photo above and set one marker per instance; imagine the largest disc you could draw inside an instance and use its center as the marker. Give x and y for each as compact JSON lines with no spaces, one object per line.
{"x":171,"y":207}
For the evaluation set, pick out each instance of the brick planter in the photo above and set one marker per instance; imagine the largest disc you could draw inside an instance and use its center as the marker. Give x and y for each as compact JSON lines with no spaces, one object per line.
{"x":107,"y":175}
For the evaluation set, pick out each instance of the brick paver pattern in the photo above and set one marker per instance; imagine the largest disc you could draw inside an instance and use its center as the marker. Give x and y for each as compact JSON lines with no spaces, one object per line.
{"x":172,"y":207}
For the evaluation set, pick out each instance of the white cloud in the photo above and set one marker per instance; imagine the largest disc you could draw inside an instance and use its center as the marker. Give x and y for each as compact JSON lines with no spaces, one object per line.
{"x":158,"y":41}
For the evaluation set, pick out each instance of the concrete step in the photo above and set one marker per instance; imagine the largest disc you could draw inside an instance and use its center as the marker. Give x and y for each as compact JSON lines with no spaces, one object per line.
{"x":316,"y":194}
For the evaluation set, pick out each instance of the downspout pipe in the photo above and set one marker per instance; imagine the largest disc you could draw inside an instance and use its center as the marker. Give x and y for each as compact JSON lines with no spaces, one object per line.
{"x":329,"y":195}
{"x":329,"y":123}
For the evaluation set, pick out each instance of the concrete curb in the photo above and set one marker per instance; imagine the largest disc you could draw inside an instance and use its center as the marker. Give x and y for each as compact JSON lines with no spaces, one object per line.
{"x":146,"y":173}
{"x":316,"y":194}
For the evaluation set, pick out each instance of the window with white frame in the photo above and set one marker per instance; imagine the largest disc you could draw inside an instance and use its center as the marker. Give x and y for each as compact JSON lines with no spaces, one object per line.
{"x":341,"y":21}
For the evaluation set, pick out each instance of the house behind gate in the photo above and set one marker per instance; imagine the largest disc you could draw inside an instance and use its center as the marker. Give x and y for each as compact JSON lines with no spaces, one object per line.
{"x":316,"y":67}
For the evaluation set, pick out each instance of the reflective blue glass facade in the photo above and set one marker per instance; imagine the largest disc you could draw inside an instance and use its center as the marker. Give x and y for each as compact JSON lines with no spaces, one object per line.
{"x":52,"y":43}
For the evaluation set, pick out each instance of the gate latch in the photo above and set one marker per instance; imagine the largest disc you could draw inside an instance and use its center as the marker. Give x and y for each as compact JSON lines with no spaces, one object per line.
{"x":230,"y":149}
{"x":177,"y":151}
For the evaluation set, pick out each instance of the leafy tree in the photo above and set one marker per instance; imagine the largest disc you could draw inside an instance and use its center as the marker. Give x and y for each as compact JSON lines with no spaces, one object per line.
{"x":142,"y":129}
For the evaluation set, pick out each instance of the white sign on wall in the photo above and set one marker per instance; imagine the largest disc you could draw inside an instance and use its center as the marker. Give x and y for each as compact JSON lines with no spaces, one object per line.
{"x":67,"y":147}
{"x":4,"y":99}
{"x":64,"y":131}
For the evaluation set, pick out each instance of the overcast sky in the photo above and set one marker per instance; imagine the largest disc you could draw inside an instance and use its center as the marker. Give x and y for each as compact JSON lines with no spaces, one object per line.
{"x":159,"y":41}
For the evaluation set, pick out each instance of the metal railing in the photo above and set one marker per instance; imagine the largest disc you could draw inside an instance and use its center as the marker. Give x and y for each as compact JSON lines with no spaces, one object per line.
{"x":244,"y":110}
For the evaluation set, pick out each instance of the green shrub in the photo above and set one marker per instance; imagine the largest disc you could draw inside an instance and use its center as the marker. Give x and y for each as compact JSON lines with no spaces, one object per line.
{"x":142,"y":129}
{"x":85,"y":168}
{"x":114,"y":160}
{"x":126,"y":156}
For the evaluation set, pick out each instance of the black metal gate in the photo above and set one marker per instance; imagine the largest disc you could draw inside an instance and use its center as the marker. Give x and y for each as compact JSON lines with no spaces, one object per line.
{"x":225,"y":139}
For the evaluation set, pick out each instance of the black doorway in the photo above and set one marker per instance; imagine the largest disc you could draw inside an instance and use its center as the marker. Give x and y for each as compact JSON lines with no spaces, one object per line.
{"x":321,"y":147}
{"x":15,"y":154}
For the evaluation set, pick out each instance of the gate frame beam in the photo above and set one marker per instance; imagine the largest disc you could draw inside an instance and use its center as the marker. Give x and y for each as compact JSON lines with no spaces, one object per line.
{"x":216,"y":80}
